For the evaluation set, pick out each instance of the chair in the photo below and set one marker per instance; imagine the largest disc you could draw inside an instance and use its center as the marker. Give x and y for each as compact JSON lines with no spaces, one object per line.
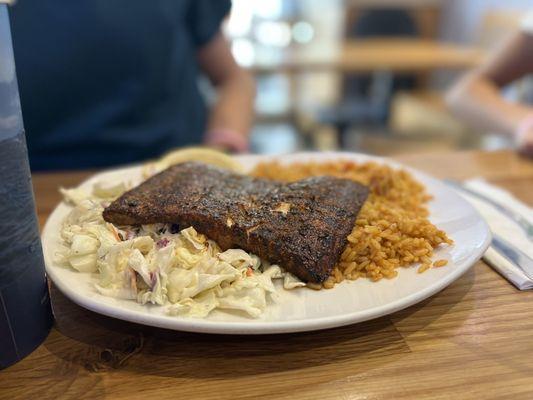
{"x":365,"y":98}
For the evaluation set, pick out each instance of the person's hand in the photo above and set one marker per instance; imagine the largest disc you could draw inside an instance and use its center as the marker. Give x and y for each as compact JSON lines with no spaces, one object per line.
{"x":524,"y":137}
{"x":525,"y":142}
{"x":227,"y":140}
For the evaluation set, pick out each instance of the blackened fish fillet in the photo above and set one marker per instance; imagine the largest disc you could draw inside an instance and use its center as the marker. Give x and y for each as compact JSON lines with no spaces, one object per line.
{"x":302,"y":226}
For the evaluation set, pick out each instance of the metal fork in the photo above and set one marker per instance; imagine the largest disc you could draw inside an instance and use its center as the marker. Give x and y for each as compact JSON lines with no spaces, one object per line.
{"x":513,"y":254}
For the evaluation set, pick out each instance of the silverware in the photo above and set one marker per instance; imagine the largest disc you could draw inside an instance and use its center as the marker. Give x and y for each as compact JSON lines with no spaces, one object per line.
{"x":526,"y":226}
{"x":513,"y":254}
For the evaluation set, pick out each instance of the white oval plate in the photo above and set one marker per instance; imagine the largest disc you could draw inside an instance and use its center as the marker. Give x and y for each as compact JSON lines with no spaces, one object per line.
{"x":302,"y":309}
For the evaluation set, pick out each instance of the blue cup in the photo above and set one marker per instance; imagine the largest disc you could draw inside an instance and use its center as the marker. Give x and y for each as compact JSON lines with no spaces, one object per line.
{"x":25,"y":312}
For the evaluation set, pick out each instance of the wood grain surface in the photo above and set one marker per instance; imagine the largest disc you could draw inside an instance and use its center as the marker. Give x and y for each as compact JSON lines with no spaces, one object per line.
{"x":473,"y":340}
{"x":376,"y":54}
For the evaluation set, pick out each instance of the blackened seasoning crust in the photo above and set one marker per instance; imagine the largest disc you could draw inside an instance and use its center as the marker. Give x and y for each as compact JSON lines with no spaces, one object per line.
{"x":301,"y":226}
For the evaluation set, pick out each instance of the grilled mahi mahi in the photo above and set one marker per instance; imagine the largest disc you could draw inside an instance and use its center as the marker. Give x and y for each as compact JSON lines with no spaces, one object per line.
{"x":302,"y":226}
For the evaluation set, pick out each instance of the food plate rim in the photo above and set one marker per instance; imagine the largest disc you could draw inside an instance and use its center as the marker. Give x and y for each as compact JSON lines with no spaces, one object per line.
{"x":254,"y":327}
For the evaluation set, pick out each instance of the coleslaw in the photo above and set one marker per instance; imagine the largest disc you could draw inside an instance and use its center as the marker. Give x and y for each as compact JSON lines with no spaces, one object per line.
{"x":162,"y":264}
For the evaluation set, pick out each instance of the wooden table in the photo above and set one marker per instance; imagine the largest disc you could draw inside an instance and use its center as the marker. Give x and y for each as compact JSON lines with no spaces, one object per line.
{"x":384,"y":55}
{"x":473,"y":340}
{"x":367,"y":55}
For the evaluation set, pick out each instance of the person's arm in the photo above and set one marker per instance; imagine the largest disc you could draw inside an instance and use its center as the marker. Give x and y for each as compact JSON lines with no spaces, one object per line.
{"x":231,"y":117}
{"x":477,"y":99}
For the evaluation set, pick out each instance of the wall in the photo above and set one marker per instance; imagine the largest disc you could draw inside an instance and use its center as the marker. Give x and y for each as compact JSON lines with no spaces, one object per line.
{"x":461,"y":19}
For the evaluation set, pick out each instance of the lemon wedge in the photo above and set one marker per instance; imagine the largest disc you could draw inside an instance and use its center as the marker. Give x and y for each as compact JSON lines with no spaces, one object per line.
{"x":202,"y":154}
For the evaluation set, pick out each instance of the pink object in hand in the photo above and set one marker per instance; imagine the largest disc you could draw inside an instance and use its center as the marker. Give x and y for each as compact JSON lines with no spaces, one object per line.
{"x":525,"y":125}
{"x":524,"y":135}
{"x":227,"y":139}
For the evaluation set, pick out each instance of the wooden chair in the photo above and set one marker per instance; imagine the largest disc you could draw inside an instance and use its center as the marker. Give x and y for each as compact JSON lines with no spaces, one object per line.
{"x":365,"y":98}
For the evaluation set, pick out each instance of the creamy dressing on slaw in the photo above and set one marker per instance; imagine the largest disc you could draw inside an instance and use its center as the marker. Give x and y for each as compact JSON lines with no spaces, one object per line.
{"x":162,"y":264}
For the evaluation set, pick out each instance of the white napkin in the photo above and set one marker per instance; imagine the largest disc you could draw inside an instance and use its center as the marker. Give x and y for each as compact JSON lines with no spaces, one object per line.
{"x":503,"y":226}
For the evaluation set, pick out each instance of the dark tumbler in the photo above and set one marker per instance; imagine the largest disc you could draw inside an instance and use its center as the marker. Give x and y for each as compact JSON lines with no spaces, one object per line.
{"x":25,"y":313}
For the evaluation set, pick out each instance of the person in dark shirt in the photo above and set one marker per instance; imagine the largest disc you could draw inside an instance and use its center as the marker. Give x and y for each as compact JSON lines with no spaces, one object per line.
{"x":113,"y":82}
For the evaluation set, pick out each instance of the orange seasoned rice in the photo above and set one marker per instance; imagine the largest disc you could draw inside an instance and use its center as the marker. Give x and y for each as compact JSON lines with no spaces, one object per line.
{"x":391,"y":231}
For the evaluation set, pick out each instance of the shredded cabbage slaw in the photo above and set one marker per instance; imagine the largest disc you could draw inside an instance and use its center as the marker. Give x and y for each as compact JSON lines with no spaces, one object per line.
{"x":160,"y":264}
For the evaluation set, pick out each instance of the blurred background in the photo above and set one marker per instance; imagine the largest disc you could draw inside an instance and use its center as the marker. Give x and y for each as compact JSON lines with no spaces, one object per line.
{"x":365,"y":76}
